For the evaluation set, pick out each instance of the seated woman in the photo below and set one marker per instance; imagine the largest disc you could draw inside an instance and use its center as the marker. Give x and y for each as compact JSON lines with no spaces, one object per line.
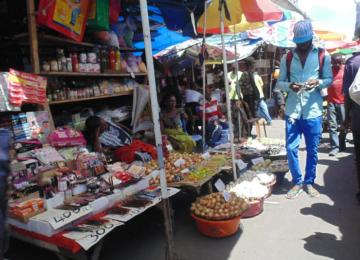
{"x":172,"y":125}
{"x":107,"y":137}
{"x":214,"y":120}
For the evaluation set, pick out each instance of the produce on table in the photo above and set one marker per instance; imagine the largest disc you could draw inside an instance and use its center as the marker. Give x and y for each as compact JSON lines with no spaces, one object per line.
{"x":174,"y":165}
{"x":263,"y":166}
{"x":249,"y":190}
{"x":215,"y":207}
{"x":198,"y":174}
{"x":259,"y":176}
{"x":215,"y":162}
{"x":272,"y":141}
{"x":279,"y":166}
{"x":266,"y":178}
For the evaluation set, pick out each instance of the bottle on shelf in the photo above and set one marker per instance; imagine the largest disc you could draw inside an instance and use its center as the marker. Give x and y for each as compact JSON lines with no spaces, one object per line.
{"x":112,"y":59}
{"x":118,"y":61}
{"x":75,"y":62}
{"x":104,"y":61}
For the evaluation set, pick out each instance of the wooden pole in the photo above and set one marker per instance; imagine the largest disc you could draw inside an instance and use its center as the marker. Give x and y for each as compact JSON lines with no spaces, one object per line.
{"x":34,"y":50}
{"x":34,"y":47}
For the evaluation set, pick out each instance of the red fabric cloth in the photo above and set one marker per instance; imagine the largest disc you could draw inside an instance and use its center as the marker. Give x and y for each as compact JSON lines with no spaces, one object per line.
{"x":127,"y":153}
{"x":58,"y":239}
{"x":335,"y":91}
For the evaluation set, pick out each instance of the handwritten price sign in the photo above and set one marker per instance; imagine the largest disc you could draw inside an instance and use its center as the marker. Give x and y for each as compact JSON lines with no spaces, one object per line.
{"x":58,"y":218}
{"x":87,"y":239}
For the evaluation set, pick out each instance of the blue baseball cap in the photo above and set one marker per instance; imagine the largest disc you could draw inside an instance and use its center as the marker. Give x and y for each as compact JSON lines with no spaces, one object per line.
{"x":303,"y":31}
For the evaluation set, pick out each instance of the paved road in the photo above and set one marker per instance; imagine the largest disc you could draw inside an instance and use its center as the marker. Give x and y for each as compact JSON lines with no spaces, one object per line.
{"x":327,"y":227}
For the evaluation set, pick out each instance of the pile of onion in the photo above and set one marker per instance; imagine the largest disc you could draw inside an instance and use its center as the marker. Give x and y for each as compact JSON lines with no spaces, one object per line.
{"x":215,"y":207}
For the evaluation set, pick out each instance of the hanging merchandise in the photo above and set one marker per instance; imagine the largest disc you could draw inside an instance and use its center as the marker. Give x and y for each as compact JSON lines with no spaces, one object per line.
{"x":27,"y":88}
{"x":114,"y":13}
{"x":98,"y":19}
{"x":6,"y":104}
{"x":64,"y":16}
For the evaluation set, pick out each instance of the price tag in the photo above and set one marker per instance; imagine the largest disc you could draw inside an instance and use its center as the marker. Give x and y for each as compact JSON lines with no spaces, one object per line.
{"x":240,"y":164}
{"x":59,"y":218}
{"x":132,"y":75}
{"x":169,"y":147}
{"x":220,"y":185}
{"x":179,"y":162}
{"x":257,"y":160}
{"x":205,"y":156}
{"x":186,"y":170}
{"x":87,"y":239}
{"x":226,"y":196}
{"x":172,"y":191}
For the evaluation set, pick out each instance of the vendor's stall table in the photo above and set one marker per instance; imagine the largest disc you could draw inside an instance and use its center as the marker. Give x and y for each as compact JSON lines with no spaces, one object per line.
{"x":77,"y":245}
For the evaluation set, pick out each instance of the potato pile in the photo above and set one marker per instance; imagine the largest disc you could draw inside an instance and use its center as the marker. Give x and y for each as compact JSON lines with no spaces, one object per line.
{"x":173,"y":173}
{"x":214,"y":206}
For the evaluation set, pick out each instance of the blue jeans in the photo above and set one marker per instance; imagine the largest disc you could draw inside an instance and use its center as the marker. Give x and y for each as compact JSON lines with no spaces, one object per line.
{"x":335,"y":117}
{"x":311,"y":129}
{"x":263,"y":111}
{"x":214,"y":131}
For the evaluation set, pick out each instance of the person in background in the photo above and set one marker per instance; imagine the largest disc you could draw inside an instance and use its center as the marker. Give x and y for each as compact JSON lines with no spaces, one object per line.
{"x":4,"y":173}
{"x":172,"y":122}
{"x":304,"y":105}
{"x":214,"y":119}
{"x":336,"y":107}
{"x":352,"y":110}
{"x":101,"y":135}
{"x":192,"y":101}
{"x":236,"y":99}
{"x":278,"y":95}
{"x":263,"y":110}
{"x":248,"y":87}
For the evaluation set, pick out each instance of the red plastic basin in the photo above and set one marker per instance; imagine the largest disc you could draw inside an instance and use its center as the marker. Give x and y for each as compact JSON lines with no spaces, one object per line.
{"x":217,"y":228}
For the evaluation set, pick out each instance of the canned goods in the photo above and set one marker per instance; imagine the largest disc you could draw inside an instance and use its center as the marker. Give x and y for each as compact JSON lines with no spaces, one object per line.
{"x":83,"y":57}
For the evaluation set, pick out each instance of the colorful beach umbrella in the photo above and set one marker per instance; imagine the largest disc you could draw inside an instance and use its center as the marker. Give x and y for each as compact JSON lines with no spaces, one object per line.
{"x":240,"y":15}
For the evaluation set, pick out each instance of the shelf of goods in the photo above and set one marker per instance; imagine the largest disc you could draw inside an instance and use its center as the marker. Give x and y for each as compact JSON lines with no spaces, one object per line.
{"x":123,"y":93}
{"x":91,"y":74}
{"x":49,"y":40}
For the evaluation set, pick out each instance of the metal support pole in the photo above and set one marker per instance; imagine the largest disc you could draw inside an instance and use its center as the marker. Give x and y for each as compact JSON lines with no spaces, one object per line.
{"x":170,"y":254}
{"x":204,"y":81}
{"x":237,"y":87}
{"x":226,"y":82}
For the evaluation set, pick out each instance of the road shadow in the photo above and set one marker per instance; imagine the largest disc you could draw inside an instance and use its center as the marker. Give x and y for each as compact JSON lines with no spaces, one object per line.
{"x":340,"y":186}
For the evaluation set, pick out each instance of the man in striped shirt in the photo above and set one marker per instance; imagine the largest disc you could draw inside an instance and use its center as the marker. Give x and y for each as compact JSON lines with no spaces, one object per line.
{"x":214,"y":119}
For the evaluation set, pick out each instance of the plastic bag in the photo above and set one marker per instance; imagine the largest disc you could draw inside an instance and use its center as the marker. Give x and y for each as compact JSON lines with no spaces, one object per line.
{"x":115,"y":7}
{"x":66,"y":17}
{"x":354,"y":90}
{"x":98,"y":19}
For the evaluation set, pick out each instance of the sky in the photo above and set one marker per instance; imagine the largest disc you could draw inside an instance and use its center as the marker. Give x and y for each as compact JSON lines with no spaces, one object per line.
{"x":334,"y":15}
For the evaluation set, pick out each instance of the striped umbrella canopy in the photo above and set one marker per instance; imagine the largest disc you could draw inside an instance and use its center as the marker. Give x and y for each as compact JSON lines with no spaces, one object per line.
{"x":240,"y":15}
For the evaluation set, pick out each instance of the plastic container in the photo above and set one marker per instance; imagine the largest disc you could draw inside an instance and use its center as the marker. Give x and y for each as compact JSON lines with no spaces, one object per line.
{"x":255,"y":208}
{"x":217,"y":228}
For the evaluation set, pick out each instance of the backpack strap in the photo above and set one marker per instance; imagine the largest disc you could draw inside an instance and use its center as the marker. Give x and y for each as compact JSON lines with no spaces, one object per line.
{"x":321,"y":53}
{"x":289,"y":57}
